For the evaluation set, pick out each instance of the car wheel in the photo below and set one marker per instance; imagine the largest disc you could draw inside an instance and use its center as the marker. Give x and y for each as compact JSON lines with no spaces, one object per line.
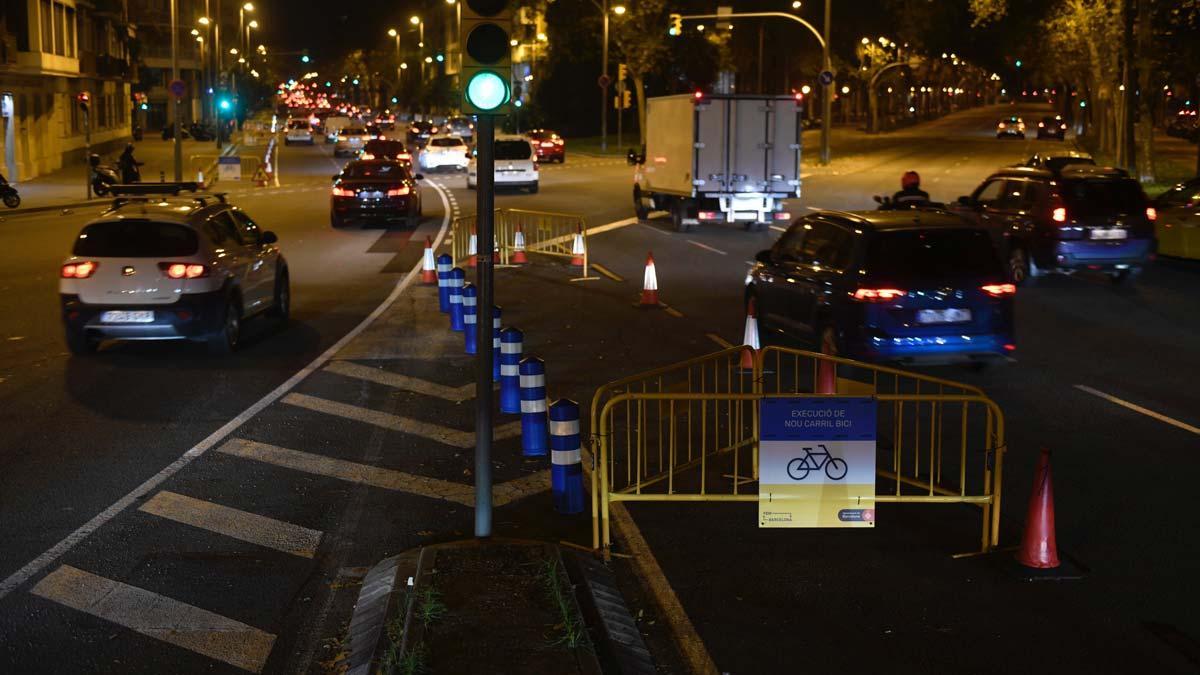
{"x":79,"y":343}
{"x":336,"y":221}
{"x":225,"y":340}
{"x":639,"y":206}
{"x":281,"y":307}
{"x":1119,"y":277}
{"x":470,"y":185}
{"x":12,"y":201}
{"x":1018,"y":265}
{"x":533,"y":189}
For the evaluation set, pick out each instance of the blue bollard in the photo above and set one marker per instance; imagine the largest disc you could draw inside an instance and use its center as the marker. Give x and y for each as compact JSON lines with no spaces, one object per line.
{"x":470,"y":324}
{"x":510,"y":375}
{"x":566,"y":461}
{"x":496,"y":312}
{"x":457,"y":279}
{"x":444,"y":263}
{"x":533,"y":407}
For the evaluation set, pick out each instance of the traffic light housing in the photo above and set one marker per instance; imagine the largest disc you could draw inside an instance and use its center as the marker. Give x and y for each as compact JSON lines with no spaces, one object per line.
{"x":487,"y":56}
{"x":626,"y":99}
{"x":84,"y":98}
{"x":676,"y":27}
{"x":622,"y":72}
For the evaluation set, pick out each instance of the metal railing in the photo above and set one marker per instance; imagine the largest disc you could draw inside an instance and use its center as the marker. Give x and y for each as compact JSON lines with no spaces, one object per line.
{"x":689,"y":432}
{"x":545,"y":233}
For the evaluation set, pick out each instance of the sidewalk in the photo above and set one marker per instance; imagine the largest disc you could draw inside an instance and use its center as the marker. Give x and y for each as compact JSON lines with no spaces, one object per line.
{"x":66,"y":188}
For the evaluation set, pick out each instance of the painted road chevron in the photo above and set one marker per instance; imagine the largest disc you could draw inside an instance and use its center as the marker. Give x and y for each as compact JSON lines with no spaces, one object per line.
{"x":398,"y":381}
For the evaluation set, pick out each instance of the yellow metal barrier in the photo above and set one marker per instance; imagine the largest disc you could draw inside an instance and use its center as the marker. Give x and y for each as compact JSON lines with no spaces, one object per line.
{"x":689,"y":432}
{"x":545,"y":233}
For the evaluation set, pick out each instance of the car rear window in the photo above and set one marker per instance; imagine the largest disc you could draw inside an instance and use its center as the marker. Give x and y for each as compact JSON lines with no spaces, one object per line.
{"x":513,"y":150}
{"x":446,"y":142}
{"x":932,"y":254}
{"x":388,"y":170}
{"x":298,"y":124}
{"x":136,"y":239}
{"x":1092,"y":197}
{"x":385,"y":148}
{"x":1057,"y":163}
{"x":353,"y":132}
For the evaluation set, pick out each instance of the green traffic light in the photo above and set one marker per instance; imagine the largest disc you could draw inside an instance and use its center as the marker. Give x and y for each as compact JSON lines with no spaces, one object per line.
{"x":304,"y":59}
{"x":487,"y":90}
{"x":225,"y":104}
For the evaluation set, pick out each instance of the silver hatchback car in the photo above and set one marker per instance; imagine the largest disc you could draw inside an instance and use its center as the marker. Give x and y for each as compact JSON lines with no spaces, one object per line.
{"x":169,"y":267}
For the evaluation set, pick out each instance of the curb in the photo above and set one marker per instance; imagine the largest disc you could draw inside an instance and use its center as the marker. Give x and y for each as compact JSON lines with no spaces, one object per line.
{"x":376,"y":600}
{"x":622,"y":649}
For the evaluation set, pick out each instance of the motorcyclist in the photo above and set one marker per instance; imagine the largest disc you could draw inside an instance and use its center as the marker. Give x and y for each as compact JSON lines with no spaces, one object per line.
{"x":910,"y":193}
{"x":129,"y":166}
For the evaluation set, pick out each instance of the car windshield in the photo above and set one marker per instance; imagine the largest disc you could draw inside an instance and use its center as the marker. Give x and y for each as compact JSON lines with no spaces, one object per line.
{"x":1057,"y":163}
{"x":389,"y":170}
{"x":446,"y":143}
{"x":1091,"y":197}
{"x":932,"y":254}
{"x":136,"y":239}
{"x":513,"y":150}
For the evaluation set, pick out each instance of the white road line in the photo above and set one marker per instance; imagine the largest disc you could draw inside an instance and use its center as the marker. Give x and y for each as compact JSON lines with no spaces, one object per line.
{"x":1137,"y":408}
{"x":779,"y":228}
{"x":241,"y":525}
{"x":159,"y":617}
{"x":428,"y":430}
{"x":45,"y":559}
{"x":389,"y":379}
{"x":706,"y":247}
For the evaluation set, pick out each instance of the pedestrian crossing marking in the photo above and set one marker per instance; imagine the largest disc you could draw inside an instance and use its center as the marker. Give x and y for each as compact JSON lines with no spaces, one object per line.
{"x":241,"y":525}
{"x":398,"y":381}
{"x":428,"y":430}
{"x":159,"y":617}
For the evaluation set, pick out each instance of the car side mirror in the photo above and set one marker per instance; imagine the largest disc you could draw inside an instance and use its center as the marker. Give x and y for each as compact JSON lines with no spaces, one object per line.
{"x":763,"y":256}
{"x":419,"y":176}
{"x":965,"y":201}
{"x":878,"y":199}
{"x":269,"y":237}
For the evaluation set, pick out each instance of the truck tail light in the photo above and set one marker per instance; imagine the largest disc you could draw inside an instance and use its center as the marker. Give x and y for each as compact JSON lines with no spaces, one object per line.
{"x":877,"y":294}
{"x":183,"y":270}
{"x":999,"y":290}
{"x":1059,"y":214}
{"x":1151,"y":214}
{"x":782,"y":215}
{"x":79,"y":270}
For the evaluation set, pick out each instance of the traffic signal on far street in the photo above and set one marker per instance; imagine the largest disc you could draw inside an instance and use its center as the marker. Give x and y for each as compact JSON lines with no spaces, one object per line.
{"x":622,"y":72}
{"x":626,"y":99}
{"x":487,"y":56}
{"x":84,"y":99}
{"x":676,"y":27}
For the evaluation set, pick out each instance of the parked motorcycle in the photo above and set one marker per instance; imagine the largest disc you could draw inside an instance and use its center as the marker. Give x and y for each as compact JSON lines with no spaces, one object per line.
{"x":168,"y":132}
{"x":103,"y":176}
{"x":200,"y":132}
{"x":9,"y":194}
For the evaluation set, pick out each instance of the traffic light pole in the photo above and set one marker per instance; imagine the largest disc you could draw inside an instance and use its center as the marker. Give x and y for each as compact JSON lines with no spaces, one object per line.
{"x":175,"y":78}
{"x":485,"y":198}
{"x":827,"y":92}
{"x":604,"y":79}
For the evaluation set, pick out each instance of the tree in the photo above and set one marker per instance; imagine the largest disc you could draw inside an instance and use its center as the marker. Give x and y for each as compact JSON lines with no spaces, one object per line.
{"x":640,"y":36}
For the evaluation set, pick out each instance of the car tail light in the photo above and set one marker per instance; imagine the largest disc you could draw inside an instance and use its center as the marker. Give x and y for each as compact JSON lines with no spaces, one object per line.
{"x":433,"y":130}
{"x":1002,"y":125}
{"x":999,"y":290}
{"x":183,"y":270}
{"x":709,"y":215}
{"x":558,"y":141}
{"x":342,"y":192}
{"x":366,"y":155}
{"x":547,"y":144}
{"x":79,"y":270}
{"x":877,"y":294}
{"x":1151,"y":214}
{"x":398,"y":192}
{"x":1041,"y":124}
{"x":782,"y":215}
{"x":1059,"y":214}
{"x":1010,"y":347}
{"x":1063,"y":126}
{"x":535,"y":166}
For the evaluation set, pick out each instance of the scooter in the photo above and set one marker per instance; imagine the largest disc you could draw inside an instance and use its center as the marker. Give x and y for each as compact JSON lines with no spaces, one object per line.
{"x":103,"y":176}
{"x":200,"y":132}
{"x":9,"y":194}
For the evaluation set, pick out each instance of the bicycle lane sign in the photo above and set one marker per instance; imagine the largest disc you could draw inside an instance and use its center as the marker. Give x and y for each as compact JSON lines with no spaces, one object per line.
{"x":816,"y":462}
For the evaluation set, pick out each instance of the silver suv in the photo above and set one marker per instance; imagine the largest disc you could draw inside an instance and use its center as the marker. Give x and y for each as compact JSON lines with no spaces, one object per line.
{"x":170,"y":268}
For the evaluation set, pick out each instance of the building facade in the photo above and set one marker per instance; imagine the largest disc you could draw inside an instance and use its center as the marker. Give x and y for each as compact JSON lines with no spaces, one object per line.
{"x":51,"y":51}
{"x":152,"y":54}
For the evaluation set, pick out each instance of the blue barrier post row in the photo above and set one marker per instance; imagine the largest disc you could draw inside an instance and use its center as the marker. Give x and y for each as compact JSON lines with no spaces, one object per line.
{"x":566,"y":468}
{"x":510,"y":375}
{"x":444,"y":263}
{"x":470,"y":319}
{"x":533,"y":407}
{"x":496,"y":313}
{"x":457,"y":280}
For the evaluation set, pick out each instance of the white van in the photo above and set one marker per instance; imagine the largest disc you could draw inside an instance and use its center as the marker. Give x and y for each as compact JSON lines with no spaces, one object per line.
{"x":334,"y":125}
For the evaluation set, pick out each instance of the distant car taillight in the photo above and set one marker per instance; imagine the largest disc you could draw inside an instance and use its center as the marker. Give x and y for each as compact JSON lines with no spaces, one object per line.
{"x":999,"y":290}
{"x":398,"y":192}
{"x":79,"y":270}
{"x":1151,"y":214}
{"x":183,"y":270}
{"x":877,"y":294}
{"x":547,"y":144}
{"x":342,"y":192}
{"x":1059,"y":214}
{"x":366,"y":155}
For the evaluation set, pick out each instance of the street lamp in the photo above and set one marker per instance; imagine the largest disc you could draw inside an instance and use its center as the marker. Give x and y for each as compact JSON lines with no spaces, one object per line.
{"x":252,"y":25}
{"x":247,"y":7}
{"x":392,"y":32}
{"x":619,"y":10}
{"x":420,"y":24}
{"x":795,"y":4}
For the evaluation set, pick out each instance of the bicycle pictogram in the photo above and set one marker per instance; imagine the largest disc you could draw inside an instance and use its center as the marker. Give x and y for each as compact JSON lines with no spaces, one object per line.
{"x":835,"y":467}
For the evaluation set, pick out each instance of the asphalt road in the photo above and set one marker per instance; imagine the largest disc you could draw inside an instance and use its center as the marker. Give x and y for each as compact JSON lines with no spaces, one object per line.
{"x":82,"y":433}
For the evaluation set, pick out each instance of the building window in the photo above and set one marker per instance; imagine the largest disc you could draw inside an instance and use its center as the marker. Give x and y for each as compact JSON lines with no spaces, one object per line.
{"x":59,"y":38}
{"x":69,"y":36}
{"x":47,"y":37}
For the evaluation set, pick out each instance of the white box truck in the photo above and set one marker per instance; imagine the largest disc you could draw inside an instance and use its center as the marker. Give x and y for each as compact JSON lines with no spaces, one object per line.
{"x":716,"y":158}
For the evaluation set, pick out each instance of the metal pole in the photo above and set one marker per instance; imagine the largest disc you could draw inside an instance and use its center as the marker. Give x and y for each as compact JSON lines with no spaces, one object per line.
{"x":604,"y":89}
{"x":174,"y":77}
{"x":421,"y":47}
{"x":216,"y":19}
{"x":484,"y":202}
{"x":87,"y":147}
{"x":620,"y":112}
{"x":827,"y":92}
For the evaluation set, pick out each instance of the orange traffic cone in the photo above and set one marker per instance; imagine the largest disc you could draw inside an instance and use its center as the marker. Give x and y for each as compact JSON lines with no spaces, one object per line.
{"x":472,"y":249}
{"x":518,"y":256}
{"x":428,"y":266}
{"x":750,"y":338}
{"x":577,"y":248}
{"x":1038,"y":546}
{"x":650,"y":283}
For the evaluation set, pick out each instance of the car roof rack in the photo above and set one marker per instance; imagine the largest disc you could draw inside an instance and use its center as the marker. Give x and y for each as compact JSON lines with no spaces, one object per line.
{"x":153,"y":188}
{"x":1086,"y":170}
{"x":144,"y":193}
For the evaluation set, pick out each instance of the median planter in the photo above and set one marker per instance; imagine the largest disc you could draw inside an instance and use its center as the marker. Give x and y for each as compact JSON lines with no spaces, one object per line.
{"x":490,"y":607}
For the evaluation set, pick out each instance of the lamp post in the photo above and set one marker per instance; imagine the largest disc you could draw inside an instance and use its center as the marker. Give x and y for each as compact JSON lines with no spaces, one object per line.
{"x":253,"y":24}
{"x":420,"y":24}
{"x":247,"y":7}
{"x":396,"y":34}
{"x":604,"y":82}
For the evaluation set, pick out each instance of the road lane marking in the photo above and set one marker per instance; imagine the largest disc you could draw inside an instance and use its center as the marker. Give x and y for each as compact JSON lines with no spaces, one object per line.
{"x":672,"y":311}
{"x":519,"y":488}
{"x":354,"y":472}
{"x":159,"y":617}
{"x":1137,"y":408}
{"x":39,"y":563}
{"x":779,"y":228}
{"x":655,"y":229}
{"x":725,"y":344}
{"x":241,"y":525}
{"x":706,"y":247}
{"x":398,"y":381}
{"x":427,"y":430}
{"x":607,"y":272}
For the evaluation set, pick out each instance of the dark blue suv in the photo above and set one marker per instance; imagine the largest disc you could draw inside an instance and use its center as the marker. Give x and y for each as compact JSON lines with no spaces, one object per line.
{"x":917,"y":285}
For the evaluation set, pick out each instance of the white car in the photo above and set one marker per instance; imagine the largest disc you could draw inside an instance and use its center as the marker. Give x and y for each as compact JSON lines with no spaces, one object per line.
{"x":170,"y":268}
{"x":516,"y":166}
{"x":350,"y":141}
{"x":443,"y":151}
{"x":298,"y":131}
{"x":334,"y":125}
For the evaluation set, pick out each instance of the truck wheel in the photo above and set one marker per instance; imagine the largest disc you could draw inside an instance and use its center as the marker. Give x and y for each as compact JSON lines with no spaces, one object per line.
{"x":678,"y":213}
{"x":639,"y":205}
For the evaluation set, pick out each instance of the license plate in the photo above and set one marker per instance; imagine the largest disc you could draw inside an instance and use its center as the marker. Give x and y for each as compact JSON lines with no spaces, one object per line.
{"x":370,"y":195}
{"x":1109,"y":234}
{"x":127,"y":317}
{"x":943,"y":315}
